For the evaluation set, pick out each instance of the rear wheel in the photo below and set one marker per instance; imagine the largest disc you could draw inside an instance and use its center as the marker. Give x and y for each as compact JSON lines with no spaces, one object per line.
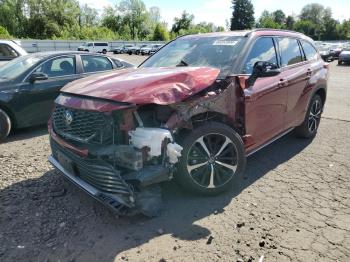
{"x":212,"y":159}
{"x":104,"y":51}
{"x":339,"y":62}
{"x":309,"y":127}
{"x":5,"y":125}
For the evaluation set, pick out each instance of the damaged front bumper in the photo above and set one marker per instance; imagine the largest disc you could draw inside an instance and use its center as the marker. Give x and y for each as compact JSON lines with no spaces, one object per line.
{"x":132,"y":193}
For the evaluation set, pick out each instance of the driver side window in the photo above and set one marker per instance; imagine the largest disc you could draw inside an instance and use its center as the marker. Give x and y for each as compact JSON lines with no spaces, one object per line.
{"x":262,"y":50}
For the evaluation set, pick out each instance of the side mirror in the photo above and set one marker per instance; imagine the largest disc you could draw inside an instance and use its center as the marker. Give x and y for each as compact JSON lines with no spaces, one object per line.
{"x":262,"y":69}
{"x":38,"y":76}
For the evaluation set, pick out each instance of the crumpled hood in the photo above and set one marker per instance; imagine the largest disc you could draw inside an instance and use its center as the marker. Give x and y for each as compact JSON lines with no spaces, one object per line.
{"x":146,"y":85}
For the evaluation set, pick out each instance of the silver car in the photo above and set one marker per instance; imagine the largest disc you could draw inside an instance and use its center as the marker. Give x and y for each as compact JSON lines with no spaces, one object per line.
{"x":10,"y":50}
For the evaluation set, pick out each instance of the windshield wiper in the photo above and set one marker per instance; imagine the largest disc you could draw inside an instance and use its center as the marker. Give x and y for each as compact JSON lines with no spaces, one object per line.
{"x":182,"y":63}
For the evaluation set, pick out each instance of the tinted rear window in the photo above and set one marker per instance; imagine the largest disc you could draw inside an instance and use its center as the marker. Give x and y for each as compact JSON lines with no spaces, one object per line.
{"x":101,"y":44}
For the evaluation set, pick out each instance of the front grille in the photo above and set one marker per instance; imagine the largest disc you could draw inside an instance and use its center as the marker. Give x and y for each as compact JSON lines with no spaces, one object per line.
{"x":79,"y":125}
{"x":96,"y":172}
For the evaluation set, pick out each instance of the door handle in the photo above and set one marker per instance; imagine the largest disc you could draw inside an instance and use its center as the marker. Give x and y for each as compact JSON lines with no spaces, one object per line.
{"x":282,"y":83}
{"x":308,"y":73}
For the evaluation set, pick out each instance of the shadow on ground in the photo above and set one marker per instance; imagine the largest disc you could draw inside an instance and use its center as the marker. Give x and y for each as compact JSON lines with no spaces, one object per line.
{"x":26,"y":133}
{"x":50,"y":219}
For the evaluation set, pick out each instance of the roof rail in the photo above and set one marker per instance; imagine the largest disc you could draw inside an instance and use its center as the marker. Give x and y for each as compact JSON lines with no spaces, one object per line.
{"x":273,"y":29}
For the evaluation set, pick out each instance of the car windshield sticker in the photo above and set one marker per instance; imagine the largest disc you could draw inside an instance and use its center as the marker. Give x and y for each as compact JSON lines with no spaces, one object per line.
{"x":225,"y":42}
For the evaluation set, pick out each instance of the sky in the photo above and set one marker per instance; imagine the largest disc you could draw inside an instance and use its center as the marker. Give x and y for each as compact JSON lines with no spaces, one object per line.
{"x":218,"y":11}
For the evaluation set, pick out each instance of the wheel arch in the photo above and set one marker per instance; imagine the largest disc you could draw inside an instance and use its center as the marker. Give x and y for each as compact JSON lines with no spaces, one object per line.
{"x":10,"y":113}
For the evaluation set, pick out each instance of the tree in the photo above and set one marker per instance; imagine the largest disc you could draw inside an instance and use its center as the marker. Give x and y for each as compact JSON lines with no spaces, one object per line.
{"x":88,"y":16}
{"x":279,"y":17}
{"x":267,"y":20}
{"x":160,"y":33}
{"x":290,"y":22}
{"x":4,"y":34}
{"x":242,"y":15}
{"x":307,"y":27}
{"x":182,"y":23}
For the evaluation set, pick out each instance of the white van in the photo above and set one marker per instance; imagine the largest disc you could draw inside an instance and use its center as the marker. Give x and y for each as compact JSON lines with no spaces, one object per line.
{"x":95,"y":47}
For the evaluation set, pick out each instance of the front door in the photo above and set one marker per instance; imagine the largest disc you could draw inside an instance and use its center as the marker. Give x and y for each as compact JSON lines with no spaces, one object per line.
{"x":38,"y":100}
{"x":265,"y":101}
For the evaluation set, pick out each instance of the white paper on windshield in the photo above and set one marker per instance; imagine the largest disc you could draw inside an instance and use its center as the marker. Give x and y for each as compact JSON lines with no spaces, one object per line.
{"x":225,"y":42}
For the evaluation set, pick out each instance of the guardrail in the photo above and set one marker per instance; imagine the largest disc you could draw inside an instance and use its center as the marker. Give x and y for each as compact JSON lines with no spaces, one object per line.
{"x":32,"y":46}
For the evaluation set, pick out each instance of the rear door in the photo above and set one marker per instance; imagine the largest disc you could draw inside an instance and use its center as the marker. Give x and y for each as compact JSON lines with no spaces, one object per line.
{"x":92,"y":64}
{"x":265,"y":101}
{"x":296,"y":71}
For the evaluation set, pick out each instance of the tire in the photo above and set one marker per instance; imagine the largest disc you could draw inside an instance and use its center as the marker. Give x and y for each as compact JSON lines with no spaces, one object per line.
{"x":308,"y":129}
{"x":213,"y":175}
{"x":340,"y":62}
{"x":5,"y":125}
{"x":104,"y":51}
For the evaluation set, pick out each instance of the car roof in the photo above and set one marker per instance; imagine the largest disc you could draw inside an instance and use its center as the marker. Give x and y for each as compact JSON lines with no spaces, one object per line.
{"x":258,"y":31}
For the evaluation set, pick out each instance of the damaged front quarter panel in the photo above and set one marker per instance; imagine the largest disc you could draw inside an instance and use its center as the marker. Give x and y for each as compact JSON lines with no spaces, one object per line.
{"x":224,"y":100}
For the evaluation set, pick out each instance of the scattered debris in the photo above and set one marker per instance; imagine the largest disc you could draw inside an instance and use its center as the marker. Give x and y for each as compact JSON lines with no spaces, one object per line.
{"x":240,"y":224}
{"x":262,"y":243}
{"x":210,"y":239}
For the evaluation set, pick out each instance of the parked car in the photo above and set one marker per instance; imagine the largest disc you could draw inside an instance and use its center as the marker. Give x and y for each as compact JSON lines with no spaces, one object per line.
{"x":193,"y":111}
{"x":137,"y":51}
{"x":95,"y":47}
{"x":150,"y":49}
{"x":336,"y":49}
{"x":155,"y":49}
{"x":326,"y":53}
{"x":118,"y":49}
{"x":344,"y":56}
{"x":10,"y":50}
{"x":129,"y":49}
{"x":30,"y":84}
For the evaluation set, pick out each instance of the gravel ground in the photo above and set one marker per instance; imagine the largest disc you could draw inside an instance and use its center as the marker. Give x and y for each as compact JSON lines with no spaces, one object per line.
{"x":293,"y":205}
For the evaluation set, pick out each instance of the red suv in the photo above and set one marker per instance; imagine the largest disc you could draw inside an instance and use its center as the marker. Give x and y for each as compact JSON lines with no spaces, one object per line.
{"x":193,"y":111}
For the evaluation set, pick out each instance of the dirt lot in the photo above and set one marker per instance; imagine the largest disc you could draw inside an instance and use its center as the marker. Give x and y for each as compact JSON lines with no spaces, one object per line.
{"x":293,"y":205}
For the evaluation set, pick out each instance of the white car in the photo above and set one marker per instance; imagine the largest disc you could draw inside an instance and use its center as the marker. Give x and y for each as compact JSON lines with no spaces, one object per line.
{"x":10,"y":50}
{"x":95,"y":47}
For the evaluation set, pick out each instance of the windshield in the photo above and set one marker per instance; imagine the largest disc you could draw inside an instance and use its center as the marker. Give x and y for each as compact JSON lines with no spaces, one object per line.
{"x":199,"y":51}
{"x":18,"y":66}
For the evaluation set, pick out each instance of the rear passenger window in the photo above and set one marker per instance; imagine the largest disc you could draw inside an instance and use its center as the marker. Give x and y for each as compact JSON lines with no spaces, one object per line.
{"x":262,"y":50}
{"x":7,"y":52}
{"x":309,"y":50}
{"x":290,"y":51}
{"x":96,"y":63}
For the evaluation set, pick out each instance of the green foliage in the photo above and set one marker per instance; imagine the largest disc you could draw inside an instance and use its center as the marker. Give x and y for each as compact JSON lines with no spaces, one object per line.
{"x":183,"y":23}
{"x":160,"y":33}
{"x":243,"y":15}
{"x":314,"y":21}
{"x":4,"y":34}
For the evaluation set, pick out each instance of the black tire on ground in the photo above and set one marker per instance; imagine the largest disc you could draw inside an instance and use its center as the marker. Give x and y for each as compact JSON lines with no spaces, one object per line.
{"x":339,"y":62}
{"x":5,"y":125}
{"x":308,"y":129}
{"x":104,"y":51}
{"x":213,"y":159}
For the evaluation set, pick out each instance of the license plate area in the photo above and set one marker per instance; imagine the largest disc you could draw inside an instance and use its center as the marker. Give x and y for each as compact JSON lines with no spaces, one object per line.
{"x":65,"y":162}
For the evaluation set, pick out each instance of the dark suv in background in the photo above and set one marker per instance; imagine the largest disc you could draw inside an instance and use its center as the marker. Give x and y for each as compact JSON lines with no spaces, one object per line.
{"x":193,"y":111}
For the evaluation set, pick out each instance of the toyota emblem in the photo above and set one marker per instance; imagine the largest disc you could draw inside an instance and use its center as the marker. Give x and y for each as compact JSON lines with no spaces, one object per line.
{"x":68,"y":117}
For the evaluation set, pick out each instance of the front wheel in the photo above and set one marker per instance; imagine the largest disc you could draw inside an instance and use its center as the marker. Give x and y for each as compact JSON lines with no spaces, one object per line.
{"x":309,"y":127}
{"x":5,"y":125}
{"x":213,"y":157}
